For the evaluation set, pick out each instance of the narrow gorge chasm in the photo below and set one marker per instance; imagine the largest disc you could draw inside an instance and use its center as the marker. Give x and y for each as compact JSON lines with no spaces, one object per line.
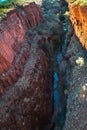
{"x":43,"y":62}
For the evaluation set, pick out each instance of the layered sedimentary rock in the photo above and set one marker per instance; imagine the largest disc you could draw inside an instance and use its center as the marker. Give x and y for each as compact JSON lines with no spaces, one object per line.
{"x":27,"y":105}
{"x":25,"y":83}
{"x":13,"y":50}
{"x":78,"y":16}
{"x":28,"y":59}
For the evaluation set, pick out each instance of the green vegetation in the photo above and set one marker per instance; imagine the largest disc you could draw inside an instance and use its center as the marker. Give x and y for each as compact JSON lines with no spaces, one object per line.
{"x":5,"y":3}
{"x":4,"y":11}
{"x":82,"y":2}
{"x":8,"y":5}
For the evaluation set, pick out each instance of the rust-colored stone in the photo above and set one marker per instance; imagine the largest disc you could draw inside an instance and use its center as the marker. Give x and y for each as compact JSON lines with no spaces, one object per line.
{"x":25,"y":83}
{"x":13,"y":50}
{"x":78,"y":16}
{"x":12,"y":32}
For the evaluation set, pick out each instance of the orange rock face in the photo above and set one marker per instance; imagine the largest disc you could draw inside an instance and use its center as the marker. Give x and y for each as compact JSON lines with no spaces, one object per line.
{"x":78,"y":16}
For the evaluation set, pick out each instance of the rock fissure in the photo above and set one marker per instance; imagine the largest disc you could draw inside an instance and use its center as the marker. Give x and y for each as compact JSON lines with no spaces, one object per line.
{"x":43,"y":68}
{"x":26,"y":86}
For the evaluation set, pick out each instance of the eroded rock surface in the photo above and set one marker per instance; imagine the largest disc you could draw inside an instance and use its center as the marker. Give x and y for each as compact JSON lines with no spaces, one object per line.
{"x":25,"y":88}
{"x":78,"y":16}
{"x":13,"y":50}
{"x":76,"y":77}
{"x":26,"y":74}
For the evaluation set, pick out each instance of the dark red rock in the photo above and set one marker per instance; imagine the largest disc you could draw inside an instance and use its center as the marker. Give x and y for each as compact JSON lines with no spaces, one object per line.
{"x":27,"y":105}
{"x":25,"y":83}
{"x":13,"y":52}
{"x":13,"y":29}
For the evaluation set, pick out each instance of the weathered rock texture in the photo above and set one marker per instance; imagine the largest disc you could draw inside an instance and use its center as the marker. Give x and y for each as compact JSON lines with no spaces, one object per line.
{"x":78,"y":16}
{"x":25,"y":83}
{"x":13,"y":50}
{"x":76,"y":77}
{"x":28,"y":55}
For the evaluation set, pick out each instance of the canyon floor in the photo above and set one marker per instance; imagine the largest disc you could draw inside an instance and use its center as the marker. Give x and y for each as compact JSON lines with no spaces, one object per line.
{"x":43,"y":79}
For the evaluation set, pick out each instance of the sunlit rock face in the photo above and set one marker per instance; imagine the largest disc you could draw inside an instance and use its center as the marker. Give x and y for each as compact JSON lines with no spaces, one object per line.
{"x":12,"y":34}
{"x":25,"y":84}
{"x":39,"y":2}
{"x":78,"y":16}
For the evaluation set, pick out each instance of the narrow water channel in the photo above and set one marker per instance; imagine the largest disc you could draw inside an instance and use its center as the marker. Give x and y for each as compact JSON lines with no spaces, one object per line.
{"x":60,"y":89}
{"x":57,"y":58}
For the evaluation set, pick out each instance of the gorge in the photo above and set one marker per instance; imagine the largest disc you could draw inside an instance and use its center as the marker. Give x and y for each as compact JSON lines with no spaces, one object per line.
{"x":43,"y":80}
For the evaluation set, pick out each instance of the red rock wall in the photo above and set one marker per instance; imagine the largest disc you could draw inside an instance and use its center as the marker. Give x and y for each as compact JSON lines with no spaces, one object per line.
{"x":25,"y":82}
{"x":12,"y":32}
{"x":13,"y":50}
{"x":28,"y":104}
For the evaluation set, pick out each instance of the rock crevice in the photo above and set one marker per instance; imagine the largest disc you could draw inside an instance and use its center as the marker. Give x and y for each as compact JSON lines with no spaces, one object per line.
{"x":28,"y":51}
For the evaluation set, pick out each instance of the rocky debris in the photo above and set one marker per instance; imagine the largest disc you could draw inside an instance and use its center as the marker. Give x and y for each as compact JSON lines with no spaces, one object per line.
{"x":76,"y":79}
{"x":78,"y":16}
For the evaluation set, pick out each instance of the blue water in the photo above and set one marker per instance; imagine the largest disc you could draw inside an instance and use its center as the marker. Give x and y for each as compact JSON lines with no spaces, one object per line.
{"x":56,"y":85}
{"x":57,"y":96}
{"x":5,"y":2}
{"x":59,"y":58}
{"x":56,"y":93}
